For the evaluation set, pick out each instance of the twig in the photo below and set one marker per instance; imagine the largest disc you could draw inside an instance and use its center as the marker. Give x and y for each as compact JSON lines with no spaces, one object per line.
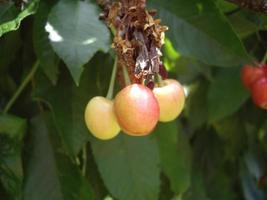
{"x":21,"y":87}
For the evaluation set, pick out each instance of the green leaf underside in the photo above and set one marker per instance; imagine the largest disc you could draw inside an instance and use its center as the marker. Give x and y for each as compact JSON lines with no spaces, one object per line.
{"x":129,"y":166}
{"x":80,"y":36}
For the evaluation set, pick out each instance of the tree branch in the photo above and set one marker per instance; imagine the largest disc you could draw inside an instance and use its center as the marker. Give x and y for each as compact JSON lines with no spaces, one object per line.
{"x":254,"y":5}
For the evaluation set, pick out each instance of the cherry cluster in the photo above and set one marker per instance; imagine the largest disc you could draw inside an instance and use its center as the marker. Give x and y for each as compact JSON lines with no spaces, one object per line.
{"x":254,"y":79}
{"x":136,"y":110}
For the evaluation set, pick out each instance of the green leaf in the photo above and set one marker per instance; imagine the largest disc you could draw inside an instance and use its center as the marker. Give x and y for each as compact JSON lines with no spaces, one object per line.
{"x":68,"y":101}
{"x":8,"y":11}
{"x":197,"y":189}
{"x":14,"y":24}
{"x":232,"y":131}
{"x":221,"y":185}
{"x":226,"y":6}
{"x":12,"y":131}
{"x":188,"y":70}
{"x":199,"y":30}
{"x":129,"y":166}
{"x":47,"y":57}
{"x":175,"y":156}
{"x":243,"y":25}
{"x":226,"y":94}
{"x":10,"y":45}
{"x":76,"y":34}
{"x":95,"y":180}
{"x":49,"y":172}
{"x":196,"y":105}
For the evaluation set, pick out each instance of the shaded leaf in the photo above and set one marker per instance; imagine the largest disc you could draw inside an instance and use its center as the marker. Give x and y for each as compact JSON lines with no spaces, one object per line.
{"x":232,"y":131}
{"x":12,"y":131}
{"x":175,"y":156}
{"x":221,"y":185}
{"x":10,"y":45}
{"x":49,"y":172}
{"x":8,"y":11}
{"x":196,"y":105}
{"x":197,"y":189}
{"x":129,"y":166}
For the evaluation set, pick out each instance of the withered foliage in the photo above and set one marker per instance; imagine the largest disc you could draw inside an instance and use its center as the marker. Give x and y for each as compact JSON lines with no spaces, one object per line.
{"x":138,"y":38}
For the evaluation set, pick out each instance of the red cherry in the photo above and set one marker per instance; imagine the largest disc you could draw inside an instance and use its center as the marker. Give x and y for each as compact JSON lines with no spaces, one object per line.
{"x":250,"y":74}
{"x":259,"y":93}
{"x":264,"y":68}
{"x":137,"y":110}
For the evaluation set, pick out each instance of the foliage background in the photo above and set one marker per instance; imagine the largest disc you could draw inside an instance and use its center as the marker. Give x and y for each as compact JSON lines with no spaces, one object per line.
{"x":215,"y":151}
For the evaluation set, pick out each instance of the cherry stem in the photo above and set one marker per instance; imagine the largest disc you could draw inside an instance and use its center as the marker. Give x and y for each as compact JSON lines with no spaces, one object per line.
{"x":21,"y":87}
{"x":84,"y":155}
{"x":112,"y":80}
{"x":264,"y":58}
{"x":126,"y":76}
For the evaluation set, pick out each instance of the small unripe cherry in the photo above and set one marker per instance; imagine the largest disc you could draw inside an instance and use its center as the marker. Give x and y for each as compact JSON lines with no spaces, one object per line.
{"x":137,"y":110}
{"x":100,"y":118}
{"x":259,"y":93}
{"x":171,"y":99}
{"x":250,"y":74}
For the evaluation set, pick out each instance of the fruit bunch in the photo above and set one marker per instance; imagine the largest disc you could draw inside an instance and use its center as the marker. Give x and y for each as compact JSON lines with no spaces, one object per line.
{"x":136,"y":110}
{"x":254,"y":78}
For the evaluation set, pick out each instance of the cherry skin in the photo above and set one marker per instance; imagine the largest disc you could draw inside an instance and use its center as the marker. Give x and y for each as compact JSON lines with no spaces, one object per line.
{"x":100,"y":118}
{"x":259,"y":93}
{"x":263,"y":66}
{"x":171,"y":99}
{"x":250,"y":74}
{"x":137,"y":110}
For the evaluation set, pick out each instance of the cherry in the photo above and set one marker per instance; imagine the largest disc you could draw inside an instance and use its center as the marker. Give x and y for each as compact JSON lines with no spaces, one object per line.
{"x":171,"y":99}
{"x":100,"y":118}
{"x":250,"y":74}
{"x":137,"y":110}
{"x":259,"y":93}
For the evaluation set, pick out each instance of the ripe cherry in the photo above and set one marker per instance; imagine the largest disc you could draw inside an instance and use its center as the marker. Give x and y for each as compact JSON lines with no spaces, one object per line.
{"x":250,"y":74}
{"x":171,"y":99}
{"x":137,"y":110}
{"x":100,"y":118}
{"x":259,"y":93}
